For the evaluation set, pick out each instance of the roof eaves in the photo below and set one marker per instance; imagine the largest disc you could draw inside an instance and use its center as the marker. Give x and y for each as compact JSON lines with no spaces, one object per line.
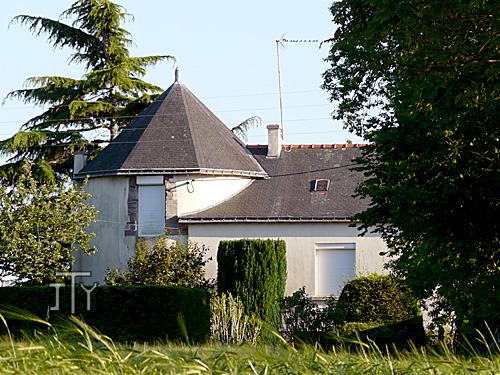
{"x":285,"y":219}
{"x":302,"y":146}
{"x":153,"y":171}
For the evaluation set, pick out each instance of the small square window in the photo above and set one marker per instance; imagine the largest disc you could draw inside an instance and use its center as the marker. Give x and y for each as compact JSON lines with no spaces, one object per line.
{"x":321,"y":185}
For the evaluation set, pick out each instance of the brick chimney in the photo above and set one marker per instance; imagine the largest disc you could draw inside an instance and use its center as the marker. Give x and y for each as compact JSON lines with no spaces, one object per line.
{"x":273,"y":141}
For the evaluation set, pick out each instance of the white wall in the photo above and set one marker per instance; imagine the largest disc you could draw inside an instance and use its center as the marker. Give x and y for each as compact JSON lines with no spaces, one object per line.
{"x":205,"y":191}
{"x":301,"y":240}
{"x":109,"y":197}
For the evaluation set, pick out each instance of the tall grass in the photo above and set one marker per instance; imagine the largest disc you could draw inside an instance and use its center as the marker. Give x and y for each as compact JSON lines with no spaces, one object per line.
{"x":229,"y":324}
{"x":75,"y":348}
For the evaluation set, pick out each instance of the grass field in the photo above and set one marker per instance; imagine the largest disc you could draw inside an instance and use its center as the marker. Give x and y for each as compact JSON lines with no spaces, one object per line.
{"x":78,"y":349}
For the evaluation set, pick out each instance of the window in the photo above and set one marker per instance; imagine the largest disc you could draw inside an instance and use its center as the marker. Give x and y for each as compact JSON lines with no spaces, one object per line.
{"x":151,"y":205}
{"x":335,"y":264}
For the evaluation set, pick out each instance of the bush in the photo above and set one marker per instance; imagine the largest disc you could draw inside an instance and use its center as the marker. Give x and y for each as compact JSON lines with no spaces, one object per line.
{"x":168,"y":263}
{"x":380,"y":306}
{"x":255,"y":271}
{"x":123,"y":313}
{"x":305,"y":320}
{"x":377,"y":299}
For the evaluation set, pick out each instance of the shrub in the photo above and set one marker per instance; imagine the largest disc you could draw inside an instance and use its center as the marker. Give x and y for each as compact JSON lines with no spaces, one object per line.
{"x":255,"y":271}
{"x":168,"y":263}
{"x":305,"y":320}
{"x":230,"y":324}
{"x":377,"y":299}
{"x":382,"y":308}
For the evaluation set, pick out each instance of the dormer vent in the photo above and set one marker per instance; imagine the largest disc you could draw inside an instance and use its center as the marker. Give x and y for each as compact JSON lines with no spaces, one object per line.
{"x":321,"y":185}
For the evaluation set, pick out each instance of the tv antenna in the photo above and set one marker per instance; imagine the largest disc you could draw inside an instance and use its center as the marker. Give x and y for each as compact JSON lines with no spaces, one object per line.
{"x":281,"y":42}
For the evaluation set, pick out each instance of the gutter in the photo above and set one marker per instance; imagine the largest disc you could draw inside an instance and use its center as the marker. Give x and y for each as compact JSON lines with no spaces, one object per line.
{"x":284,"y":219}
{"x":173,"y":171}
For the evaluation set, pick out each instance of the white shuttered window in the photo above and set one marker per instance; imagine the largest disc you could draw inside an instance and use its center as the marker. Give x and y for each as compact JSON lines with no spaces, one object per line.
{"x":151,"y":209}
{"x":335,"y":264}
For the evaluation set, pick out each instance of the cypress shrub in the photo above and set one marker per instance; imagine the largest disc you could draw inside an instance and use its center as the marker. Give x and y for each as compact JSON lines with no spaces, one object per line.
{"x":130,"y":313}
{"x":255,"y":271}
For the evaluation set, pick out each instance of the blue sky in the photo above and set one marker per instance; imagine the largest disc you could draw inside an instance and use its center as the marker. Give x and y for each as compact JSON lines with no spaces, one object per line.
{"x":226,"y":51}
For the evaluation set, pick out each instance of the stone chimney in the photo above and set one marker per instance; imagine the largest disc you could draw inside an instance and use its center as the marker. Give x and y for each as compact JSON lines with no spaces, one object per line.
{"x":79,"y":161}
{"x":273,"y":141}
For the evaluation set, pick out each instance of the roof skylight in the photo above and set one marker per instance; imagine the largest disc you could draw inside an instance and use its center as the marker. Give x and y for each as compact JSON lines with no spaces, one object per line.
{"x":321,"y":185}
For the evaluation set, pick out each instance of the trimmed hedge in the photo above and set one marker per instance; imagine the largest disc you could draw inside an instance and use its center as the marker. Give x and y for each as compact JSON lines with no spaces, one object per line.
{"x":255,"y":271}
{"x":383,"y":309}
{"x":124,"y":313}
{"x":377,"y":299}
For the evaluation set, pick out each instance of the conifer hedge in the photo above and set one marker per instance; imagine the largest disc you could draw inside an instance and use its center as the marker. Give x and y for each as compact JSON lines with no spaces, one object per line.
{"x":124,"y":313}
{"x":255,"y":271}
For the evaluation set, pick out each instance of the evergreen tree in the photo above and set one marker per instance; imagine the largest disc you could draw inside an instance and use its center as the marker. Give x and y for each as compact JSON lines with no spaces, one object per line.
{"x":108,"y":96}
{"x":255,"y":271}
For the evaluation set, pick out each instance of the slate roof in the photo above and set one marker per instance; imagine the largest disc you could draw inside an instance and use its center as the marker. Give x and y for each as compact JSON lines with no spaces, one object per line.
{"x":288,"y":193}
{"x":176,"y":134}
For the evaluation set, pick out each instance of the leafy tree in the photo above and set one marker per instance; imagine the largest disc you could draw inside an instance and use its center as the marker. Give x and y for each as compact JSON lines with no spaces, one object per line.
{"x":421,"y":81}
{"x":41,"y":226}
{"x":107,"y":97}
{"x":167,"y":263}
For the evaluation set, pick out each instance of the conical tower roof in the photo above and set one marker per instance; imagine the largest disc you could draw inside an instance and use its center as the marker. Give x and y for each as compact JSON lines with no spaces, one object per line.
{"x":176,"y":134}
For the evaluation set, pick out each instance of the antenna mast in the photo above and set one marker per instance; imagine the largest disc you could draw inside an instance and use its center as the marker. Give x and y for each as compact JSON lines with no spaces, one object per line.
{"x":278,"y":42}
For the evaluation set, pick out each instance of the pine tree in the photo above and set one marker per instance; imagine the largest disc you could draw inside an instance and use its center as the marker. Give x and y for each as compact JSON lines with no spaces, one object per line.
{"x":108,"y":96}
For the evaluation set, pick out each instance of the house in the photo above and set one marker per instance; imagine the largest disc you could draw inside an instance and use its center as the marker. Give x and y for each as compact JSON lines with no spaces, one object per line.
{"x":178,"y":166}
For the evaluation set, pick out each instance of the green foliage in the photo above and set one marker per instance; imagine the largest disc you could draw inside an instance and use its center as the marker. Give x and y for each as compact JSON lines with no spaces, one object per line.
{"x":77,"y":349}
{"x":255,"y":271}
{"x":141,"y":313}
{"x":382,"y":308}
{"x":241,"y":130}
{"x":305,"y":320}
{"x":377,"y":299}
{"x":107,"y":97}
{"x":42,"y":225}
{"x":167,"y":263}
{"x":421,"y":81}
{"x":230,"y":324}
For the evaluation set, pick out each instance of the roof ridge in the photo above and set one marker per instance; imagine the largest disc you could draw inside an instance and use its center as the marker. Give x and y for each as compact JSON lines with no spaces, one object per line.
{"x":183,"y":90}
{"x":334,"y":145}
